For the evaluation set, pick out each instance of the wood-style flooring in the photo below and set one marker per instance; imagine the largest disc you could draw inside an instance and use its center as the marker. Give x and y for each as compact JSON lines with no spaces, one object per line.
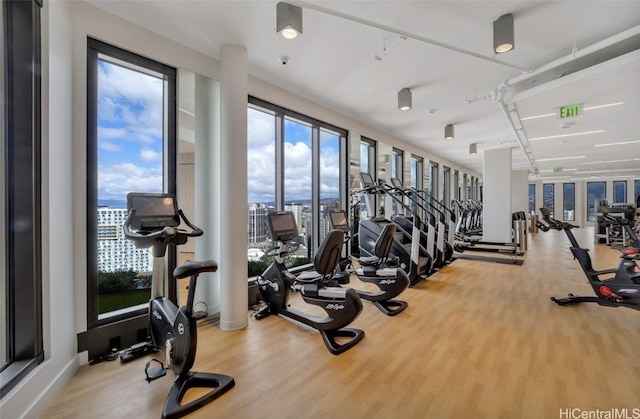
{"x":478,"y":340}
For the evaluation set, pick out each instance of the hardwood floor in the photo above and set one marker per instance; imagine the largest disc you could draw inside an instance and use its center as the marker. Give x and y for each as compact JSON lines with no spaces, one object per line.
{"x":478,"y":340}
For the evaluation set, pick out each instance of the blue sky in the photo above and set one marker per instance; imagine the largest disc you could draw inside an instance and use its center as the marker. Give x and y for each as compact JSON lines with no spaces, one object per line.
{"x":130,"y":125}
{"x":130,"y":121}
{"x":261,"y":160}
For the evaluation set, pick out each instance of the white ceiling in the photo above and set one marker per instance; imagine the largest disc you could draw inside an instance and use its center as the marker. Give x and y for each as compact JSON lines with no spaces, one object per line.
{"x":447,"y":61}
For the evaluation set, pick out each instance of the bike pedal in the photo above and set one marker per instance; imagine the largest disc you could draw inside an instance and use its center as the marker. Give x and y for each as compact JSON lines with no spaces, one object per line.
{"x":154,"y":372}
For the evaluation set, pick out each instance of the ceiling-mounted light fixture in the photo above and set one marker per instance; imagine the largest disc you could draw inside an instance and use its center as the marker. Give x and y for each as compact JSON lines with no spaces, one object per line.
{"x":473,"y":149}
{"x":503,"y":34}
{"x":404,"y":99}
{"x":448,"y":132}
{"x":288,"y":20}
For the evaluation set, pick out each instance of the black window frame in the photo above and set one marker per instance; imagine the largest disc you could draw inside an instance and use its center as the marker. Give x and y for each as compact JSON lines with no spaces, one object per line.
{"x":281,"y":114}
{"x":564,"y":200}
{"x":553,"y":197}
{"x":94,"y":48}
{"x":591,"y":205}
{"x":22,"y":128}
{"x":619,"y":182}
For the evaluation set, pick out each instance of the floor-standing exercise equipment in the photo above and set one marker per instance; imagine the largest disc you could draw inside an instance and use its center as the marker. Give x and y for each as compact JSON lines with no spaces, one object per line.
{"x":153,"y":221}
{"x":611,"y":291}
{"x":377,"y":269}
{"x":413,"y":257}
{"x":437,"y":240}
{"x":342,"y":305}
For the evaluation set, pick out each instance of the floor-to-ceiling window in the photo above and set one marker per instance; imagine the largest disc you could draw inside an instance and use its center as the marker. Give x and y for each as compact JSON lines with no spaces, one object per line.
{"x":446,"y":186}
{"x":330,"y":190}
{"x":433,"y":180}
{"x":637,"y":188}
{"x":466,"y":181}
{"x":397,"y":165}
{"x":569,"y":201}
{"x":548,"y":196}
{"x":619,"y":191}
{"x":417,"y":176}
{"x":532,"y":198}
{"x":21,"y":338}
{"x":131,"y":140}
{"x":456,"y":185}
{"x":261,"y":183}
{"x":368,"y":165}
{"x":595,"y":190}
{"x":295,"y":163}
{"x":298,"y":181}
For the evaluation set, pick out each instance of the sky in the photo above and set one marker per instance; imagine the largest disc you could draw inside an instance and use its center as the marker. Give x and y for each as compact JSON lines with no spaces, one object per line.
{"x":130,"y":126}
{"x":297,"y":155}
{"x":130,"y":121}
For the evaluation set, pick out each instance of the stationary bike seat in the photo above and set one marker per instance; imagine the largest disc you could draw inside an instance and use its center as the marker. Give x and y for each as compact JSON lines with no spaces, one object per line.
{"x":194,"y":267}
{"x":628,"y":252}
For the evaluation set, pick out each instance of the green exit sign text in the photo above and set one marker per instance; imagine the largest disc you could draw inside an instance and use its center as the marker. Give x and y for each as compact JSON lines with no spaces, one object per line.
{"x":570,"y":111}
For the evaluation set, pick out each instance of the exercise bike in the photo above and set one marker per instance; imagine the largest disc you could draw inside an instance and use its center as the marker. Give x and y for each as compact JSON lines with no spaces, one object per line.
{"x":616,"y":291}
{"x":153,"y":221}
{"x":378,"y":269}
{"x":342,"y":305}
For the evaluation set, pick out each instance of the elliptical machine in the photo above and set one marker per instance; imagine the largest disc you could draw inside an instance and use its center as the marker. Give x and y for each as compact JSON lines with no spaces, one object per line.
{"x":153,"y":221}
{"x":617,"y":291}
{"x":342,"y":305}
{"x":378,"y":269}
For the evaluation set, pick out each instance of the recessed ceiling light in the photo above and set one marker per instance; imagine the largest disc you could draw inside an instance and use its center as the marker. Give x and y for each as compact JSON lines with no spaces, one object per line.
{"x":537,"y":116}
{"x":553,"y":171}
{"x":566,"y":135}
{"x":608,"y":161}
{"x":603,"y":106}
{"x":607,"y":171}
{"x":620,"y":143}
{"x":563,"y":158}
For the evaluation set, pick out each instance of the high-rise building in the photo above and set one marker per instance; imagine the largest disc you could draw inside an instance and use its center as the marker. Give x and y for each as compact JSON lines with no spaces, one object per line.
{"x":115,"y":252}
{"x":257,"y":228}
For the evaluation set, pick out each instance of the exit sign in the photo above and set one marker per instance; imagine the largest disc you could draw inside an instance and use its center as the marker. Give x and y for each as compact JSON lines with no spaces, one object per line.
{"x":570,"y":111}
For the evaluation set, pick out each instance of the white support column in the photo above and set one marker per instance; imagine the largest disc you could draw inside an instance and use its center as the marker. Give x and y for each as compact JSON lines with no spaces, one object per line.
{"x":520,"y":191}
{"x":206,"y":192}
{"x":233,"y":187}
{"x":496,"y":208}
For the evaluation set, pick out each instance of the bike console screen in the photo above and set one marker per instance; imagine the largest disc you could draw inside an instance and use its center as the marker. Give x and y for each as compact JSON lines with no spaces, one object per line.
{"x":154,"y":211}
{"x":282,"y":225}
{"x":339,"y":220}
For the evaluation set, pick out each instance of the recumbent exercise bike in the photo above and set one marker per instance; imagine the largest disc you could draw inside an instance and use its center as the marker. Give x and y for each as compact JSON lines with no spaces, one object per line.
{"x":342,"y":305}
{"x":153,"y":221}
{"x":378,"y":269}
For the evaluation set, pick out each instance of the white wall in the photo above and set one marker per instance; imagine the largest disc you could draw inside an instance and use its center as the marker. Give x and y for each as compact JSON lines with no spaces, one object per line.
{"x":496,"y":211}
{"x":519,"y":191}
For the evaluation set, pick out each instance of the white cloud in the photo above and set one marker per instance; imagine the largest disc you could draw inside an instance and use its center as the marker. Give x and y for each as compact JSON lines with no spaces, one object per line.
{"x":132,"y":99}
{"x":260,"y":128}
{"x":115,"y":181}
{"x":108,"y":146}
{"x":148,"y":155}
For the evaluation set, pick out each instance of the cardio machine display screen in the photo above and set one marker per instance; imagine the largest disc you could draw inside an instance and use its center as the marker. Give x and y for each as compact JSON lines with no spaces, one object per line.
{"x":366,"y":179}
{"x":395,"y":182}
{"x":339,"y":220}
{"x":153,"y":210}
{"x":282,"y":225}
